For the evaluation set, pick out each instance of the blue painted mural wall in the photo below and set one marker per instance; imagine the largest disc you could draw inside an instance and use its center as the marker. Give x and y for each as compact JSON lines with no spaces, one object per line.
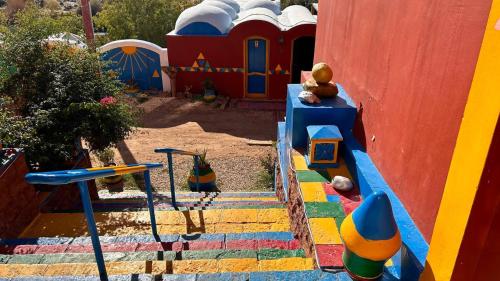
{"x":137,"y":66}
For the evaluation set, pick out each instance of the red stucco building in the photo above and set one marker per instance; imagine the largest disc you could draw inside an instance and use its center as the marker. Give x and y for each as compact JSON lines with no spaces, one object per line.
{"x":249,"y":49}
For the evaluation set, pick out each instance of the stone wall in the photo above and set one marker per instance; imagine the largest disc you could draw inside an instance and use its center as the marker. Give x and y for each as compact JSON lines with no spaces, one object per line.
{"x":296,"y":212}
{"x":18,"y":199}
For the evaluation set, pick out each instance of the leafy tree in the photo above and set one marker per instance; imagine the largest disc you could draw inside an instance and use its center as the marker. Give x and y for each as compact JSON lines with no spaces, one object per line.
{"x":148,"y":20}
{"x":60,"y":95}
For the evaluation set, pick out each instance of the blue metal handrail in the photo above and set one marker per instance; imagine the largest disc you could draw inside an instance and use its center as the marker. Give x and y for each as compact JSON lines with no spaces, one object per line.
{"x":81,"y":176}
{"x":170,"y":152}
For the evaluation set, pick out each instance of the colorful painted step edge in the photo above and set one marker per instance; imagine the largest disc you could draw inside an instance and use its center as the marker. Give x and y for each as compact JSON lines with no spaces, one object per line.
{"x":324,"y":208}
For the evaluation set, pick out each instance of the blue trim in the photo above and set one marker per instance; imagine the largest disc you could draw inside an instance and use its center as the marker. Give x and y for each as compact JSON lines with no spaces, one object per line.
{"x":151,"y":206}
{"x":324,"y":132}
{"x":199,"y":28}
{"x":71,"y":176}
{"x":368,"y":178}
{"x":283,"y":158}
{"x":92,"y":228}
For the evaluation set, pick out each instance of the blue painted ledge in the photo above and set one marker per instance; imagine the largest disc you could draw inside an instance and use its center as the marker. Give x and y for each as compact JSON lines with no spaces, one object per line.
{"x":409,"y":262}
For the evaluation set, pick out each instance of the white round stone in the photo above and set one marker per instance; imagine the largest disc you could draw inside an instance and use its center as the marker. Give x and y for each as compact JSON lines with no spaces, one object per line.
{"x":342,"y":183}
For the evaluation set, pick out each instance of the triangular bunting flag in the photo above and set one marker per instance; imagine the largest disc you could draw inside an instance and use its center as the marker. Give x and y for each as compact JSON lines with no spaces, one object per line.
{"x":156,"y":74}
{"x":235,"y":69}
{"x":287,"y":72}
{"x":195,"y":64}
{"x":183,"y":68}
{"x":200,"y":68}
{"x":209,"y":70}
{"x":278,"y":68}
{"x":201,"y":57}
{"x":218,"y":69}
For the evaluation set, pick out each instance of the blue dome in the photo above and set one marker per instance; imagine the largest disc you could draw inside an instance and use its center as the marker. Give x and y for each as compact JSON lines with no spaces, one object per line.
{"x":203,"y":20}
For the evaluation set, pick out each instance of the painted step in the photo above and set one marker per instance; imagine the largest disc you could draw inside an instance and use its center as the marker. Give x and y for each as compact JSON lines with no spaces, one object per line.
{"x":158,"y":267}
{"x":240,"y":276}
{"x":233,"y":241}
{"x":180,"y":207}
{"x":8,"y":252}
{"x":85,"y":240}
{"x":104,"y":194}
{"x":168,"y":222}
{"x":66,"y":258}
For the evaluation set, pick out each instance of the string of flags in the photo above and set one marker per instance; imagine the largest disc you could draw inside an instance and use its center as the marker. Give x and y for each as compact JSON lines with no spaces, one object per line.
{"x":202,"y":65}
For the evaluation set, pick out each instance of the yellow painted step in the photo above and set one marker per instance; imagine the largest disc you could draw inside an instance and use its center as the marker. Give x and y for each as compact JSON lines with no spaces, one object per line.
{"x":169,"y":222}
{"x":158,"y":267}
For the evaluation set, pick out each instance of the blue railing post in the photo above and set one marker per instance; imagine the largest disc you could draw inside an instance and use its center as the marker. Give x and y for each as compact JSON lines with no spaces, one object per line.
{"x":171,"y":176}
{"x":151,"y":206}
{"x":94,"y":235}
{"x":197,"y":172}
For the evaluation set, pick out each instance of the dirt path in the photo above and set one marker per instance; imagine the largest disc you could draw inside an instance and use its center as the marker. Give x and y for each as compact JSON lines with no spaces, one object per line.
{"x":196,"y":126}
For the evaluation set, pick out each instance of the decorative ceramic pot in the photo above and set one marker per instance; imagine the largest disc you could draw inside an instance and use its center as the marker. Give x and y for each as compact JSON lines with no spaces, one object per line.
{"x":209,"y":95}
{"x":206,"y":179}
{"x":370,"y":236}
{"x":114,"y":183}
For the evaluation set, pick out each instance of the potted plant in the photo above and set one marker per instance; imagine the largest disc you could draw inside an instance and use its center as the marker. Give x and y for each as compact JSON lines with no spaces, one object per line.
{"x":209,"y":90}
{"x":205,"y":174}
{"x":114,"y":183}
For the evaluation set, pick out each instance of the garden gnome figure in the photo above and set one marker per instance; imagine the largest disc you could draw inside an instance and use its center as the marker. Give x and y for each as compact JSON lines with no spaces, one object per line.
{"x":370,"y":236}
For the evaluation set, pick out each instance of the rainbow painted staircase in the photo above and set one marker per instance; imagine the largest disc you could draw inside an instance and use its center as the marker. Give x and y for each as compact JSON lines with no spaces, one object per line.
{"x":220,"y":236}
{"x":146,"y":236}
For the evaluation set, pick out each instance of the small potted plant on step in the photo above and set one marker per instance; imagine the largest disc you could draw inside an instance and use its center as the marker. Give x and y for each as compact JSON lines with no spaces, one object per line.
{"x":114,"y":183}
{"x":205,"y":174}
{"x":209,"y":94}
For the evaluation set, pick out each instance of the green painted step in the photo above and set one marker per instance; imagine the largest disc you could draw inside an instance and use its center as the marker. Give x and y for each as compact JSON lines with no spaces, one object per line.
{"x":313,"y":176}
{"x":324,"y":210}
{"x":262,"y":254}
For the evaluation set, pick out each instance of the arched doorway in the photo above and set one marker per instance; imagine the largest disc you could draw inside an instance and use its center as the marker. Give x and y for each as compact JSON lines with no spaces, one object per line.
{"x":302,"y":57}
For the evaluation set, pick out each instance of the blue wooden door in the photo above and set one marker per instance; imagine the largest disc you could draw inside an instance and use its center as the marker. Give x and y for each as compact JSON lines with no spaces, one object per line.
{"x":256,"y":68}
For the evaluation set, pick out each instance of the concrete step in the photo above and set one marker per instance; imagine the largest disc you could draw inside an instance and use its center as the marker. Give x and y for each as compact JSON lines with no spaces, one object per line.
{"x":241,"y":276}
{"x":168,"y":222}
{"x":158,"y":267}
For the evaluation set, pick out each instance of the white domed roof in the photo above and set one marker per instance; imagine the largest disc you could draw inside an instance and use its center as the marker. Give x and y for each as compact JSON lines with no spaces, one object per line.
{"x":228,"y":9}
{"x":273,"y":6}
{"x":295,"y":15}
{"x":261,"y":14}
{"x":203,"y":20}
{"x":233,"y":3}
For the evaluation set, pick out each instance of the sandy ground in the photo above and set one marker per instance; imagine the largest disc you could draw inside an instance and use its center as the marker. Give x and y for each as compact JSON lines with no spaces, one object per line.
{"x":196,"y":126}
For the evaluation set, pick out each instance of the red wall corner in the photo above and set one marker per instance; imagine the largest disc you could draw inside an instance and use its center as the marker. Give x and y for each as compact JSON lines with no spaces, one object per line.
{"x":409,"y":66}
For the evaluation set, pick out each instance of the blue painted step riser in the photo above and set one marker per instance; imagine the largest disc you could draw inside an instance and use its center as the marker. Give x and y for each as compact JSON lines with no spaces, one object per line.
{"x":282,"y":236}
{"x":243,"y":276}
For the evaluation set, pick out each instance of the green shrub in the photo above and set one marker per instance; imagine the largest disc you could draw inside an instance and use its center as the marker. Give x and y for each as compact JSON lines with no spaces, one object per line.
{"x":60,"y":95}
{"x":265,"y":177}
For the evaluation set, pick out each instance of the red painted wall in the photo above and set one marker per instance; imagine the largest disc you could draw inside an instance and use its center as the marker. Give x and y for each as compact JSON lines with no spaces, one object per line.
{"x":228,"y":51}
{"x":409,"y":66}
